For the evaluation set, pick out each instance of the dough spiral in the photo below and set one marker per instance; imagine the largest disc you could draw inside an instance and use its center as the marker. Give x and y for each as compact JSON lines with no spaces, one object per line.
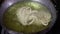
{"x":27,"y":16}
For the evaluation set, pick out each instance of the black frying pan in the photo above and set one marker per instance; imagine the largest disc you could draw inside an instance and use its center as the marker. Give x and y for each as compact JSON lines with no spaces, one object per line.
{"x":47,"y":3}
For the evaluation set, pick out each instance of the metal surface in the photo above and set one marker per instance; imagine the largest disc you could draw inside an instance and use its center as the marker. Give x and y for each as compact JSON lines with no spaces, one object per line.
{"x":47,"y":3}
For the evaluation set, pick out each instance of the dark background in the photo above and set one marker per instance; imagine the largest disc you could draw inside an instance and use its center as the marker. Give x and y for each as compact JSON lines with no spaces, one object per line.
{"x":56,"y":28}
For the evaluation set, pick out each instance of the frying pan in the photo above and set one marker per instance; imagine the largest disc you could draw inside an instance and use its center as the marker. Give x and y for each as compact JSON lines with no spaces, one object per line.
{"x":47,"y":3}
